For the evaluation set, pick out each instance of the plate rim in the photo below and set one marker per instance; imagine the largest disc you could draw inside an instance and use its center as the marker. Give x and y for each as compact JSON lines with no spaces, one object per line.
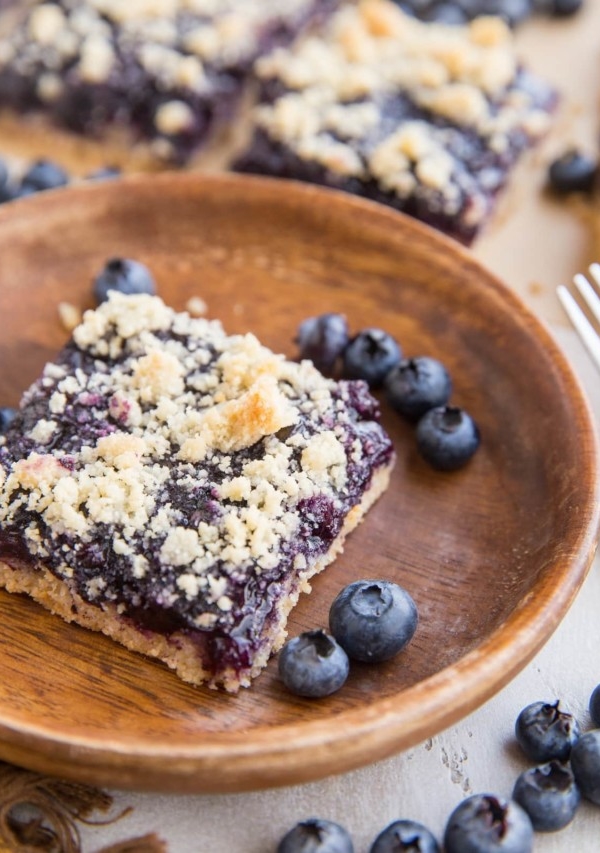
{"x":389,"y":724}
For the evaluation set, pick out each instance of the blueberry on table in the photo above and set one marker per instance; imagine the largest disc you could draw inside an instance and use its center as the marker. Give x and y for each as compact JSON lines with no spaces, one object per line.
{"x":322,"y":339}
{"x":45,"y":175}
{"x":313,"y":665}
{"x":373,"y":620}
{"x":447,"y":437}
{"x":595,"y":706}
{"x":316,"y":836}
{"x":545,"y":732}
{"x":573,"y":171}
{"x":7,"y":415}
{"x":416,"y":385}
{"x":405,"y":835}
{"x":549,"y":795}
{"x":126,"y":276}
{"x":563,"y":8}
{"x":484,"y":823}
{"x":370,"y":355}
{"x":585,"y":764}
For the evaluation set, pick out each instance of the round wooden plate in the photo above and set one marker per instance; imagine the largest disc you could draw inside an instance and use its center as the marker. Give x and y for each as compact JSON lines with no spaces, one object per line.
{"x":493,"y":554}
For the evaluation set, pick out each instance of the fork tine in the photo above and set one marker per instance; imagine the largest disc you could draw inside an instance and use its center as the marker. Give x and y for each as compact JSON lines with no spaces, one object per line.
{"x":588,"y":293}
{"x":582,"y":325}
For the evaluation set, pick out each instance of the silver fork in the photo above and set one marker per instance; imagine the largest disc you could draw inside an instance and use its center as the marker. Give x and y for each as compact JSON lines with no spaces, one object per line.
{"x":588,"y":334}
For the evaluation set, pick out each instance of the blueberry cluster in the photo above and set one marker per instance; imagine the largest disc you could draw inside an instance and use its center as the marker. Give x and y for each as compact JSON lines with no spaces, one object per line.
{"x":42,"y":175}
{"x":369,"y":621}
{"x":461,"y":11}
{"x":418,"y":388}
{"x":545,"y":798}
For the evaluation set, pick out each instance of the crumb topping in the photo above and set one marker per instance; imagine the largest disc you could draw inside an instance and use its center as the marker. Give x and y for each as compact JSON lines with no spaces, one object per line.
{"x":161,"y":463}
{"x":381,"y":95}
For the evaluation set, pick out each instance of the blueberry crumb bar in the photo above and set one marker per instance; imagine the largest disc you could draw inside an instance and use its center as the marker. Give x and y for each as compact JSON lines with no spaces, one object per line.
{"x":176,"y":488}
{"x":162,"y":73}
{"x":426,"y":117}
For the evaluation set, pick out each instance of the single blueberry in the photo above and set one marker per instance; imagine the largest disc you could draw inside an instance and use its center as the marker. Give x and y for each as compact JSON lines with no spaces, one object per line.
{"x":45,"y":175}
{"x":313,"y":664}
{"x":322,"y":339}
{"x":373,"y":619}
{"x":7,"y":415}
{"x":126,"y":276}
{"x":484,"y":823}
{"x":416,"y":385}
{"x":545,"y":732}
{"x":370,"y":355}
{"x":549,"y":795}
{"x":585,"y":764}
{"x":564,"y":8}
{"x":316,"y":836}
{"x":595,"y":706}
{"x":573,"y":171}
{"x":405,"y":835}
{"x":447,"y":437}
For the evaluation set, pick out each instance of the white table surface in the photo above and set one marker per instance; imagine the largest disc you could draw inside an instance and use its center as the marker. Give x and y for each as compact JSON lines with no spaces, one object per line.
{"x":533,"y":244}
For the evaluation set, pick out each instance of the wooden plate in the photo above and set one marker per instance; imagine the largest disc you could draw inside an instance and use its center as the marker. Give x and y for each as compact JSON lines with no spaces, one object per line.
{"x":493,"y":554}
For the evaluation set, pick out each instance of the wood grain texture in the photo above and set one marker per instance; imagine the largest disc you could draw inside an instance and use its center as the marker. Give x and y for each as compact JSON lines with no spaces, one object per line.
{"x":493,"y":554}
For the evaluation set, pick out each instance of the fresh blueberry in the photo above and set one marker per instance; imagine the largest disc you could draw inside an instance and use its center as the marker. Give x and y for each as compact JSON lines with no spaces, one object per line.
{"x":545,"y":732}
{"x":373,"y":619}
{"x":316,"y":836}
{"x":595,"y":706}
{"x":416,"y":385}
{"x":484,"y":823}
{"x":322,"y":339}
{"x":572,"y":172}
{"x":447,"y":437}
{"x":105,"y":173}
{"x":585,"y":764}
{"x":7,"y":415}
{"x":313,"y":664}
{"x":124,"y":275}
{"x":45,"y":175}
{"x":405,"y":835}
{"x":563,"y":8}
{"x":371,"y":355}
{"x":549,"y":795}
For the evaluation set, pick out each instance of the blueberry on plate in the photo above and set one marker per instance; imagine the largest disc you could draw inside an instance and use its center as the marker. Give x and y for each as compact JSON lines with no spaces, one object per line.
{"x":45,"y":175}
{"x":322,"y":339}
{"x":416,"y":385}
{"x":7,"y":415}
{"x":126,"y":276}
{"x":316,"y":836}
{"x":484,"y":823}
{"x":545,"y":732}
{"x":549,"y":795}
{"x":573,"y":172}
{"x":313,"y":665}
{"x":447,"y":437}
{"x":370,"y":355}
{"x":585,"y":764}
{"x":405,"y":835}
{"x":595,"y":706}
{"x":373,"y":620}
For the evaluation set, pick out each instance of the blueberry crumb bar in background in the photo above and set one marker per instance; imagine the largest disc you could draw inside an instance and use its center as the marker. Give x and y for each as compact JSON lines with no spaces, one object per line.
{"x":425,"y":117}
{"x":161,"y":73}
{"x":176,"y":488}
